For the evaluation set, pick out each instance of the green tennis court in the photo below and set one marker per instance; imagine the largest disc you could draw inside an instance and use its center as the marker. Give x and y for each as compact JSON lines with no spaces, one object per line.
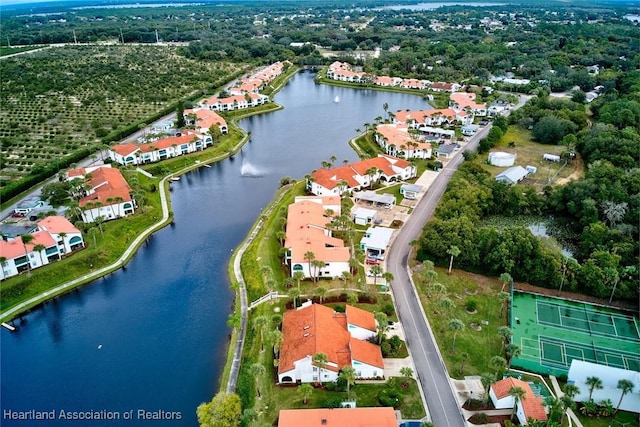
{"x":552,"y":332}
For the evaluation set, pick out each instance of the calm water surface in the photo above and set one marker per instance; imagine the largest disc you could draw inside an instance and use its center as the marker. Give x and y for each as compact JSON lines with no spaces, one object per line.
{"x":161,"y":323}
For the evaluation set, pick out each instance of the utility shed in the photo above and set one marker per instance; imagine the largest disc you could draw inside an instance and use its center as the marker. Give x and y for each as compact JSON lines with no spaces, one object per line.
{"x":512,"y":175}
{"x":363,"y":216}
{"x":410,"y":191}
{"x":500,"y":158}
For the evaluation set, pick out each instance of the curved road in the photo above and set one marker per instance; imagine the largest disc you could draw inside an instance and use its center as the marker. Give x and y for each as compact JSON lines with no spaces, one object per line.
{"x":442,"y":406}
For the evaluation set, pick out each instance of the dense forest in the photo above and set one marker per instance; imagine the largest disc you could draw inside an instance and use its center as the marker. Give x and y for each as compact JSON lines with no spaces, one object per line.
{"x":597,"y":216}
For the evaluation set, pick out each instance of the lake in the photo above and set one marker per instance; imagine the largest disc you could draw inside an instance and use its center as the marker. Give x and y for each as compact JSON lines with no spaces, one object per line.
{"x":153,"y":337}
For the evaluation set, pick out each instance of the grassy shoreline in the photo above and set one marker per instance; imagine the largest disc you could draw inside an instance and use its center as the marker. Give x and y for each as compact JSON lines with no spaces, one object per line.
{"x":102,"y":256}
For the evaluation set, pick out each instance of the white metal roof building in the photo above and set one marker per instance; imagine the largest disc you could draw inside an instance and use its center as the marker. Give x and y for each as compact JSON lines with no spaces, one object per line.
{"x":500,"y":158}
{"x":512,"y":175}
{"x":376,"y":238}
{"x":579,"y":371}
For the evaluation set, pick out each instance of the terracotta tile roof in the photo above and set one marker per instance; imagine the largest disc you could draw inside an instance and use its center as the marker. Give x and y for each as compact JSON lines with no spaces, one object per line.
{"x":164,"y":143}
{"x":57,"y":225}
{"x":359,"y":317}
{"x":14,"y":248}
{"x":329,"y":178}
{"x":125,"y":149}
{"x":442,"y":85}
{"x":365,"y":352}
{"x":533,"y":406}
{"x":395,"y":134}
{"x":420,"y":115}
{"x":207,"y":118}
{"x":464,"y":99}
{"x":339,"y":417}
{"x":108,"y":183}
{"x":384,"y":80}
{"x":305,"y":232}
{"x":314,"y":329}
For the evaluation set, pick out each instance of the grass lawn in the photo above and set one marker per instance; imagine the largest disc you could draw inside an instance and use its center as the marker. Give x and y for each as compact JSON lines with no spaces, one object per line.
{"x":622,"y":419}
{"x":530,"y":152}
{"x":108,"y":246}
{"x":481,"y":345}
{"x":273,"y":397}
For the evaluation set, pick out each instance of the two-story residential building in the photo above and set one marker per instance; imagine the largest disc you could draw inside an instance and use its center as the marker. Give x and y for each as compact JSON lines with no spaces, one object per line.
{"x":188,"y":141}
{"x":313,"y":329}
{"x":396,"y":140}
{"x":307,"y":233}
{"x":358,"y":175}
{"x":108,"y":194}
{"x":203,"y":119}
{"x":467,"y":101}
{"x":53,"y":237}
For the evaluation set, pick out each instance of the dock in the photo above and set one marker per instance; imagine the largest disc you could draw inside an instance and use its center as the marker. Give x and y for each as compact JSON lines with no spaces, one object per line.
{"x":9,"y":327}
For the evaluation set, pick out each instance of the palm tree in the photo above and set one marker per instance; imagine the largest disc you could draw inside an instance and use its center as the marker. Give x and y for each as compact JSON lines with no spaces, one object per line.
{"x":321,"y":360}
{"x":498,"y":363}
{"x":463,"y":358}
{"x":506,"y":279}
{"x":518,"y":394}
{"x":511,"y":351}
{"x":594,"y":383}
{"x":321,"y":292}
{"x":504,"y":299}
{"x":456,"y":326}
{"x":571,"y":391}
{"x":259,"y":323}
{"x":294,"y":294}
{"x":454,"y":251}
{"x":506,"y":333}
{"x":487,"y":379}
{"x":317,"y":265}
{"x":298,"y":276}
{"x":309,"y":257}
{"x":39,"y":248}
{"x":305,"y":389}
{"x":383,"y":324}
{"x":27,"y":239}
{"x":276,"y":339}
{"x":257,"y":370}
{"x":349,"y":375}
{"x":625,"y":386}
{"x":406,"y":373}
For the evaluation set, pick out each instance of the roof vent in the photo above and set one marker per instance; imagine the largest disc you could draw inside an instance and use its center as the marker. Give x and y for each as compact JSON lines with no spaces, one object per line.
{"x":323,"y":422}
{"x":306,"y":327}
{"x":306,"y":335}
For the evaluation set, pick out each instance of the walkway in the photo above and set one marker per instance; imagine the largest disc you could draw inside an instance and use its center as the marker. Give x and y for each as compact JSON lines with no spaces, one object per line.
{"x":242,"y":289}
{"x":44,"y":296}
{"x":559,"y":393}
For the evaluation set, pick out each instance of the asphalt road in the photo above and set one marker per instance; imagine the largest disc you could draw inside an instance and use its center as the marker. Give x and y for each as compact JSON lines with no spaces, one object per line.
{"x":442,"y":405}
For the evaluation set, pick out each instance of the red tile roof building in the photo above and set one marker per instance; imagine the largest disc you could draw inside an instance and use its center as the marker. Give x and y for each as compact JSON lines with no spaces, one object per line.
{"x":109,"y":194}
{"x":338,"y":417}
{"x":306,"y":232}
{"x":355,"y":176}
{"x":313,"y":329}
{"x":530,"y":406}
{"x":56,"y":235}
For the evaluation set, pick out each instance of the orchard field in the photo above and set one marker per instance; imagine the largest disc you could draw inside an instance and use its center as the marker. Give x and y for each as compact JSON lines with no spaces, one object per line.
{"x":60,"y":100}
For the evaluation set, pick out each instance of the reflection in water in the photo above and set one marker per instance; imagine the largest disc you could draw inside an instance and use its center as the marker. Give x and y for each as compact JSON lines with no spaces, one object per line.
{"x":162,"y":321}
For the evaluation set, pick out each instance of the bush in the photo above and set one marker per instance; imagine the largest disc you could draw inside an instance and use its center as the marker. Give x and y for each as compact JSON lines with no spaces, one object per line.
{"x":388,"y":309}
{"x":341,"y":384}
{"x":333,"y":402}
{"x":390,"y":398}
{"x":471,"y":305}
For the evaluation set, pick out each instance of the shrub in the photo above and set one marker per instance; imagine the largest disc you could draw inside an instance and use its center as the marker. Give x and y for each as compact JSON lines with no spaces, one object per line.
{"x":388,"y":309}
{"x":390,"y":398}
{"x":471,"y":305}
{"x":333,"y":402}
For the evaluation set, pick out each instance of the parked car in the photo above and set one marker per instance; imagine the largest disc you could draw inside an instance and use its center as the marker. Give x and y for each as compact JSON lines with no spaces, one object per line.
{"x":372,"y":261}
{"x":483,"y":123}
{"x":391,"y":325}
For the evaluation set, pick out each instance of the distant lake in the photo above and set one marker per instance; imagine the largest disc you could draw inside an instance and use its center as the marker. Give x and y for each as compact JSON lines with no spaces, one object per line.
{"x":432,"y":6}
{"x":137,"y":5}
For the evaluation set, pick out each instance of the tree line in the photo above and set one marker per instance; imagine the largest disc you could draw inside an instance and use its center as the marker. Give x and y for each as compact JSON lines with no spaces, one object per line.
{"x":597,"y":213}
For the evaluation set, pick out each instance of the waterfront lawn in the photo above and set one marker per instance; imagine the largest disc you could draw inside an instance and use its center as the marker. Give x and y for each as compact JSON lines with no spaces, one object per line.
{"x":622,"y":419}
{"x":480,"y":345}
{"x":108,"y":246}
{"x":273,"y":397}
